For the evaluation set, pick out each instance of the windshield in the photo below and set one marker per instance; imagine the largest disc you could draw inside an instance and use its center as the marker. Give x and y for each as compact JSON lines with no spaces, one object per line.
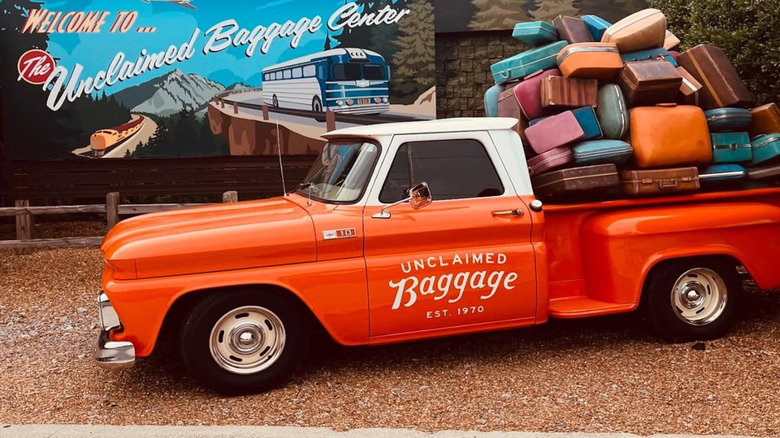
{"x":340,"y":172}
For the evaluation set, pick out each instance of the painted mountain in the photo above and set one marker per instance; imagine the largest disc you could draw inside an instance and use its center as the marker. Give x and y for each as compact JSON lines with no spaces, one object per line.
{"x":170,"y":93}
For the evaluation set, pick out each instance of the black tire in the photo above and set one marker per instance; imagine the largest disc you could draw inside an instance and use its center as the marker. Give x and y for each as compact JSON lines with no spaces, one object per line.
{"x":692,"y":299}
{"x":275,"y":101}
{"x":260,"y":319}
{"x":316,"y":105}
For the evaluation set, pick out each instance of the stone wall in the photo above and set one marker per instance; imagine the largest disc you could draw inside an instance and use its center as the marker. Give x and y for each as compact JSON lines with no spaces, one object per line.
{"x":463,"y":69}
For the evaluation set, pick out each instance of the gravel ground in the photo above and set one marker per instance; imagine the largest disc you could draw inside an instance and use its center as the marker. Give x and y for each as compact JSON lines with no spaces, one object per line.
{"x":595,"y":375}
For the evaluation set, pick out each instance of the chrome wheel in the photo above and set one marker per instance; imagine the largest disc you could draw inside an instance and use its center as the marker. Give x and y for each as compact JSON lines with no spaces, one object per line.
{"x":247,"y":340}
{"x":699,"y":296}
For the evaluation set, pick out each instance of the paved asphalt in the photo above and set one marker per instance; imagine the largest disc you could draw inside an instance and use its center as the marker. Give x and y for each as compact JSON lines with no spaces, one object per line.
{"x":78,"y":431}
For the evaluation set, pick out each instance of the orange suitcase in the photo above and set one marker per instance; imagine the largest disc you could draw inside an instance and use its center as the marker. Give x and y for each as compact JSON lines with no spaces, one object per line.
{"x":590,"y":60}
{"x":668,"y":135}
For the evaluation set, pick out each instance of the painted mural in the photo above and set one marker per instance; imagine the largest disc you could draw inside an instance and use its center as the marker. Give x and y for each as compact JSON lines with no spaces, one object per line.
{"x":481,"y":15}
{"x":93,"y":79}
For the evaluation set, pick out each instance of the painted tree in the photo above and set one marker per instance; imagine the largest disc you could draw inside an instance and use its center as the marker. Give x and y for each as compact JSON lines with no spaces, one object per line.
{"x":414,"y":69}
{"x":498,"y":14}
{"x":547,"y":10}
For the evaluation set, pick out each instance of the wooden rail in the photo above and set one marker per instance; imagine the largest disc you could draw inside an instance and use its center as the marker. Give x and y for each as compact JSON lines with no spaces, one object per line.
{"x":25,"y":243}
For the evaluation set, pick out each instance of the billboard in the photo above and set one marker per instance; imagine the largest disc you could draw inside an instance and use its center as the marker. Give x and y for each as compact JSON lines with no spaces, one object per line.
{"x":94,"y":79}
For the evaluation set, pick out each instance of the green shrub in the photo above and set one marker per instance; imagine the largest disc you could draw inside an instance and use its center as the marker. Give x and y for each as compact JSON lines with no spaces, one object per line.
{"x":747,"y":30}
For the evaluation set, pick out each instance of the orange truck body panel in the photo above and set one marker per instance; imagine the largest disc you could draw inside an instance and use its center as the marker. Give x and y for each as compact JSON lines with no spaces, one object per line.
{"x":450,"y":268}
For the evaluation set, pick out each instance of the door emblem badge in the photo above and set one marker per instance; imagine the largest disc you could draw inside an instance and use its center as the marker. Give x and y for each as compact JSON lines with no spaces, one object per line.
{"x":344,"y":233}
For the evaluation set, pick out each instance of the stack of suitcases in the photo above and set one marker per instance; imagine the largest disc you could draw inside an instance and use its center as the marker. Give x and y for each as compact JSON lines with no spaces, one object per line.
{"x":614,"y":109}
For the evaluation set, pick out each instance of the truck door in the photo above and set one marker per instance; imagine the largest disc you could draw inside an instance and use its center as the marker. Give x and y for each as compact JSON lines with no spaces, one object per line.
{"x":464,"y":262}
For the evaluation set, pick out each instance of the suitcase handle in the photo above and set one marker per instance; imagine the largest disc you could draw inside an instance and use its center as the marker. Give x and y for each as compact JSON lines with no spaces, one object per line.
{"x":666,"y":105}
{"x":668,"y":184}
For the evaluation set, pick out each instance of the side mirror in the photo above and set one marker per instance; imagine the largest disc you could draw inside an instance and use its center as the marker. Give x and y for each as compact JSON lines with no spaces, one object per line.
{"x":419,"y":197}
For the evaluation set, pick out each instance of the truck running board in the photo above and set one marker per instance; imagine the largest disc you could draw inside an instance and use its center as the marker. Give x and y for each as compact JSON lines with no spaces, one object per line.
{"x":579,"y":307}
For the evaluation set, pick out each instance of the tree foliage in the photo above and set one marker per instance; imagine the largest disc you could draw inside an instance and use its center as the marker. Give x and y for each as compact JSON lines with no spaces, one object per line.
{"x":413,"y":64}
{"x":747,"y":30}
{"x":184,"y":134}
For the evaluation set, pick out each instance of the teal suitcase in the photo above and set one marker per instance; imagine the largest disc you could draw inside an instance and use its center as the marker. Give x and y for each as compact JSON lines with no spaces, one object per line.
{"x":728,"y":119}
{"x":602,"y":151}
{"x":659,"y":54}
{"x":766,"y":148}
{"x":586,"y":117}
{"x":612,"y":112}
{"x":596,"y":26}
{"x":519,"y":66}
{"x":720,"y":175}
{"x":535,"y":33}
{"x":731,"y":147}
{"x":491,"y":99}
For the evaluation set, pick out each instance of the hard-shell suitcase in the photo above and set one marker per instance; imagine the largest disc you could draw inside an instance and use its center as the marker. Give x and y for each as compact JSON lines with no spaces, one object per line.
{"x":659,"y":54}
{"x":559,"y":92}
{"x":659,"y":181}
{"x":766,"y":120}
{"x":719,"y":175}
{"x":555,"y":131}
{"x":525,"y":63}
{"x":535,"y":33}
{"x":572,"y":29}
{"x":766,"y":149}
{"x":508,"y":107}
{"x":576,"y":180}
{"x":612,"y":112}
{"x":728,"y":119}
{"x":602,"y":151}
{"x":722,"y":85}
{"x":528,"y":93}
{"x":647,"y":83}
{"x":491,"y":99}
{"x":586,"y":117}
{"x":731,"y":147}
{"x":596,"y":26}
{"x":551,"y":159}
{"x":590,"y":60}
{"x":770,"y":172}
{"x":671,"y":41}
{"x":669,"y":135}
{"x":645,"y":29}
{"x":690,"y":90}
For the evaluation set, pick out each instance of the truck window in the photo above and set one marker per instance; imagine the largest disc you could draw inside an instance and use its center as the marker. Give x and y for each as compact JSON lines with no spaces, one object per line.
{"x":454,"y":169}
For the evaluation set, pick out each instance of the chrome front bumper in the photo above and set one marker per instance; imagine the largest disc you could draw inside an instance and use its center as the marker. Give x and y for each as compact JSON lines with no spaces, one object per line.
{"x":111,"y":354}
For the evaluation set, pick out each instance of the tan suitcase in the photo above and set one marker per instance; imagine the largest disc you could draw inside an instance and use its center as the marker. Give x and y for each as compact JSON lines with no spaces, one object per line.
{"x":642,"y":30}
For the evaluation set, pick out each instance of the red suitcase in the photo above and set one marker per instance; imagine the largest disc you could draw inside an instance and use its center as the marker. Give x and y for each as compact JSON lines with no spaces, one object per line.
{"x":508,"y":107}
{"x":528,"y":92}
{"x":550,"y":160}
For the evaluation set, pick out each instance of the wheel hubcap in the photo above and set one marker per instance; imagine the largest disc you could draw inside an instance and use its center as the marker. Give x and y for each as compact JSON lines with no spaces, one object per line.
{"x":247,"y":340}
{"x":699,"y":296}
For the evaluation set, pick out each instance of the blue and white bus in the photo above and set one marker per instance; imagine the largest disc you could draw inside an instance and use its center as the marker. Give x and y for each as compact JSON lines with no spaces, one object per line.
{"x":352,"y":81}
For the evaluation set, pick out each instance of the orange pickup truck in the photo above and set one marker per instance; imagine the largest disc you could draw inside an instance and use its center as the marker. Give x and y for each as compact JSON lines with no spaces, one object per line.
{"x":416,"y":230}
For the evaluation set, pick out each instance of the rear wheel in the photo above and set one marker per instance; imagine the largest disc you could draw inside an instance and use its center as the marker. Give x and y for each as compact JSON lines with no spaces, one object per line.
{"x":275,"y":101}
{"x":693,"y":299}
{"x":244,"y":342}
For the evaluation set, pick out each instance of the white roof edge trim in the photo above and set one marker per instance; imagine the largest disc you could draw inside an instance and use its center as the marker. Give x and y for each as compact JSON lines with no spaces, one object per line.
{"x":463,"y":124}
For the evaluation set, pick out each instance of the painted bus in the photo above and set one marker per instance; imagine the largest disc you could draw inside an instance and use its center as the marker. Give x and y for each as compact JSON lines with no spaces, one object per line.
{"x":351,"y":81}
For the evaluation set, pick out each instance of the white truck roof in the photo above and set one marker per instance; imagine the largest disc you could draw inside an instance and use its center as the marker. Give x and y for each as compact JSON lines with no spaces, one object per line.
{"x":462,"y":124}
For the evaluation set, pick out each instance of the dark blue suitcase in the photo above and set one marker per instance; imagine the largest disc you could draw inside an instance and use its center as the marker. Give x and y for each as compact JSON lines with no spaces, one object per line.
{"x":718,"y":175}
{"x":586,"y":117}
{"x":602,"y":151}
{"x":660,"y":54}
{"x":519,"y":66}
{"x":728,"y":119}
{"x":731,"y":147}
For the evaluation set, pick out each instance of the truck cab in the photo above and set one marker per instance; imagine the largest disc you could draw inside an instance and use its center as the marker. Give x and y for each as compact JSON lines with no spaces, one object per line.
{"x":415,"y":230}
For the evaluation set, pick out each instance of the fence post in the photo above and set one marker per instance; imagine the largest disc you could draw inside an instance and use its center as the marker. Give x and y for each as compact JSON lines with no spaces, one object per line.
{"x":235,"y":107}
{"x":24,"y":225}
{"x":265,"y":112}
{"x":330,"y":121}
{"x":231,"y":196}
{"x":112,"y":209}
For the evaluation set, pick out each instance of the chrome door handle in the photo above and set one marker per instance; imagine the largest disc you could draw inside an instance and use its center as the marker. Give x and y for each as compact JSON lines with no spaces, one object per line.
{"x":516,"y":212}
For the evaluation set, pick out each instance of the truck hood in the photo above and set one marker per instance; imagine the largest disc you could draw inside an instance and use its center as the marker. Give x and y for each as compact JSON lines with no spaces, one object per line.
{"x":213,"y":238}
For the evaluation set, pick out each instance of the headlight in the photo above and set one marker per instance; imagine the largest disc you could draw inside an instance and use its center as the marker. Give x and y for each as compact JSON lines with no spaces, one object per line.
{"x":340,"y":102}
{"x":385,"y":100}
{"x":350,"y":102}
{"x":377,"y":100}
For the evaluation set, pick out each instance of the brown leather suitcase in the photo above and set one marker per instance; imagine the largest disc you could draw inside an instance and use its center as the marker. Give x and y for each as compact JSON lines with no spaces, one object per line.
{"x":668,"y":135}
{"x":671,"y":42}
{"x":659,"y":181}
{"x":642,"y":30}
{"x":572,"y":29}
{"x":577,"y":180}
{"x":766,"y":120}
{"x":646,"y":83}
{"x":508,"y":106}
{"x":690,"y":90}
{"x":567,"y":93}
{"x":722,"y":86}
{"x":590,"y":60}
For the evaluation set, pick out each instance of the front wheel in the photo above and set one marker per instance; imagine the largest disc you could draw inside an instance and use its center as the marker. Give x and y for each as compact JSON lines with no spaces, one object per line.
{"x":244,"y":342}
{"x":693,"y":299}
